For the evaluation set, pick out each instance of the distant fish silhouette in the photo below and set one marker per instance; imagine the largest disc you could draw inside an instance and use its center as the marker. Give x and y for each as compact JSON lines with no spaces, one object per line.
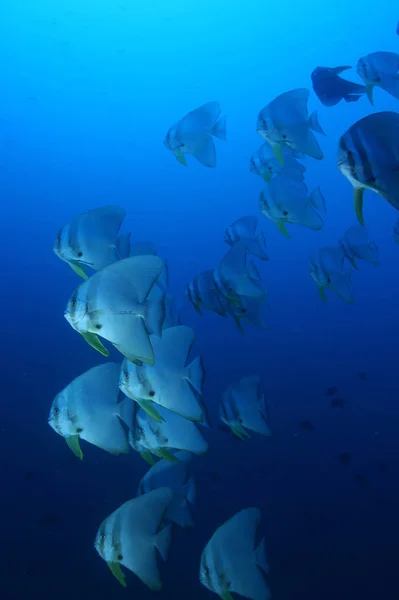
{"x":345,"y":458}
{"x":361,"y":480}
{"x":362,"y":375}
{"x":338,"y":403}
{"x":307,"y":426}
{"x":28,"y":475}
{"x":383,"y":467}
{"x":331,"y":391}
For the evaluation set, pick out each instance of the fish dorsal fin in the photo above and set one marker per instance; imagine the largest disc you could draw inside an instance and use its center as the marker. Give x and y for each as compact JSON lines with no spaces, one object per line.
{"x":134,"y":275}
{"x":245,"y":226}
{"x":173,"y":348}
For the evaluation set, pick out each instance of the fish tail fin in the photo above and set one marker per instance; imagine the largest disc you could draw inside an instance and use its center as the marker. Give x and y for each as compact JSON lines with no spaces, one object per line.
{"x":314,"y":123}
{"x":219,"y":129}
{"x":254,"y":246}
{"x":260,"y":556}
{"x":155,"y":311}
{"x":390,"y":84}
{"x":127,"y":409}
{"x":179,"y":513}
{"x":196,"y":374}
{"x":163,"y":540}
{"x":340,"y":283}
{"x":352,"y":97}
{"x":123,"y":245}
{"x":317,"y":199}
{"x":190,"y":490}
{"x":142,"y":248}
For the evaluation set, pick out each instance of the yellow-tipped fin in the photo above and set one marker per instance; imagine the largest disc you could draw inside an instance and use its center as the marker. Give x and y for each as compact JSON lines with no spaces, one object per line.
{"x":74,"y":445}
{"x":358,"y":199}
{"x":150,"y":409}
{"x":180,"y":157}
{"x":281,"y":227}
{"x":226,"y":596}
{"x":166,"y":454}
{"x":79,"y":270}
{"x":278,"y":153}
{"x":240,"y":432}
{"x":93,"y":340}
{"x":267,"y":176}
{"x":116,"y":570}
{"x":238,"y":323}
{"x":322,"y":292}
{"x":148,"y":457}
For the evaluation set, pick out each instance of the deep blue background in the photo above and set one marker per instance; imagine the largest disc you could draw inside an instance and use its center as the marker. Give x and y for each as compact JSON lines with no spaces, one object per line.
{"x":88,"y":91}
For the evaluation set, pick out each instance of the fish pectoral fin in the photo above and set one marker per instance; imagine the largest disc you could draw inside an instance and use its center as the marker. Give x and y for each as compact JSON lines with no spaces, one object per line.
{"x":74,"y":445}
{"x":166,"y":454}
{"x":278,"y":153}
{"x":322,"y":292}
{"x":280,"y":224}
{"x":179,"y":154}
{"x":226,"y":596}
{"x":148,"y":457}
{"x":369,"y":93}
{"x":116,"y":570}
{"x":149,"y":407}
{"x":78,"y":269}
{"x":358,"y":201}
{"x":93,"y":340}
{"x":240,"y":432}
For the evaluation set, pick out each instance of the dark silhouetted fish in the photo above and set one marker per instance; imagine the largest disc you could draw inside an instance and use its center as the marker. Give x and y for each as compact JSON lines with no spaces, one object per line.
{"x":361,"y":480}
{"x":331,"y":391}
{"x":383,"y":467}
{"x":330,"y":88}
{"x":307,"y":426}
{"x":345,"y":458}
{"x":362,"y":375}
{"x":338,"y":403}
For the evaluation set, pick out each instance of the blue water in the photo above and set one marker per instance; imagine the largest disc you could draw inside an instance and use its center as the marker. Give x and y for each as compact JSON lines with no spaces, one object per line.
{"x":88,"y":90}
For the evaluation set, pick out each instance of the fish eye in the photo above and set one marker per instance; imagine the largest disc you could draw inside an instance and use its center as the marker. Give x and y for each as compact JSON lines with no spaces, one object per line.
{"x":56,"y":411}
{"x":80,"y":254}
{"x":102,"y":537}
{"x":285,"y":213}
{"x":151,"y":393}
{"x":74,"y":303}
{"x":126,"y":375}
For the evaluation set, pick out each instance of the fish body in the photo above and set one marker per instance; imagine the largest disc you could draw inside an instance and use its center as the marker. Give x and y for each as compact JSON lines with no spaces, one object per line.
{"x":368,"y":156}
{"x":285,"y":122}
{"x":118,"y":304}
{"x":231,"y":561}
{"x":330,"y":88}
{"x":194,"y":134}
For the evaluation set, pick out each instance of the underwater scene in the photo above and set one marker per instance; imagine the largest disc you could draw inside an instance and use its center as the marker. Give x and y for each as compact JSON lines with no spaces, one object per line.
{"x":200,"y":232}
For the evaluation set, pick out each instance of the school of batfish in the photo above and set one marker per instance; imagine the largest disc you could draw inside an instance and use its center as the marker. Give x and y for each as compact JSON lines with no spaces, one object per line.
{"x":152,"y":402}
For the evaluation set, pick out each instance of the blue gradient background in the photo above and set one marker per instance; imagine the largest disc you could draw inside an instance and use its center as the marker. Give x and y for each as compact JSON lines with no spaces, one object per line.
{"x":88,"y":91}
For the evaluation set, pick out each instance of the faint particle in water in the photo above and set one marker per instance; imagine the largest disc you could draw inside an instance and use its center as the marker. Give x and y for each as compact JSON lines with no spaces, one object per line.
{"x":28,"y":475}
{"x":331,"y":391}
{"x":215,"y":476}
{"x":345,"y":458}
{"x":50,"y":519}
{"x":338,"y":403}
{"x":362,"y":375}
{"x":361,"y":480}
{"x":383,"y":467}
{"x":307,"y":426}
